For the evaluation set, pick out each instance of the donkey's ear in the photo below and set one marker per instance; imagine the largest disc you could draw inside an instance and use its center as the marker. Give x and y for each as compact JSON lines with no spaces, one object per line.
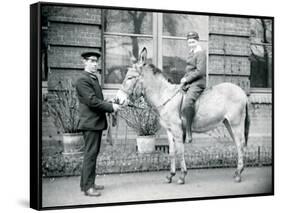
{"x":143,"y":56}
{"x":133,"y":60}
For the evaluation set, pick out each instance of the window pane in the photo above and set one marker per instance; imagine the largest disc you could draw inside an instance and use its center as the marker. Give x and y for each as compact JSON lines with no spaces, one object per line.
{"x":174,"y":58}
{"x":261,"y":66}
{"x":261,"y":53}
{"x":117,"y":55}
{"x":123,"y":21}
{"x":261,"y":30}
{"x":179,"y":24}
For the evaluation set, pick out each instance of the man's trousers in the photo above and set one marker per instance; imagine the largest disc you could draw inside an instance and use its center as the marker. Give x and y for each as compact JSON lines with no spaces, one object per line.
{"x":92,"y":141}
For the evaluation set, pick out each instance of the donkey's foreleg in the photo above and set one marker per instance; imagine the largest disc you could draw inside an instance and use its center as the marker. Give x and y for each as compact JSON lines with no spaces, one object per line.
{"x":180,"y":149}
{"x":172,"y":153}
{"x":170,"y":176}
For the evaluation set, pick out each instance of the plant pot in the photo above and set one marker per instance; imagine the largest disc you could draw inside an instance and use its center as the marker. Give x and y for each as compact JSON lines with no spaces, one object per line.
{"x":73,"y":143}
{"x":146,"y":144}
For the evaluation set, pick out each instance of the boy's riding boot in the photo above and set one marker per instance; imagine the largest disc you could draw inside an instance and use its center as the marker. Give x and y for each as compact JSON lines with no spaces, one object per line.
{"x":189,"y":113}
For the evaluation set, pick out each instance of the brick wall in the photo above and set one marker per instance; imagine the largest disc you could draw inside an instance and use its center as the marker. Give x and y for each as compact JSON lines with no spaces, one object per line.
{"x":229,"y":65}
{"x":72,"y":14}
{"x":70,"y":31}
{"x":229,"y":50}
{"x":229,"y":25}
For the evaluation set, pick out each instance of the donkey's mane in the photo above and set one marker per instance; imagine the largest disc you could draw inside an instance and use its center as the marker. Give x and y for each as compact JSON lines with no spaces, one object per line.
{"x":157,"y":71}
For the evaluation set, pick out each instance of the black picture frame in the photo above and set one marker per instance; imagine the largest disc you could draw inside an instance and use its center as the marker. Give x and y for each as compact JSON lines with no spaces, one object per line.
{"x":36,"y":97}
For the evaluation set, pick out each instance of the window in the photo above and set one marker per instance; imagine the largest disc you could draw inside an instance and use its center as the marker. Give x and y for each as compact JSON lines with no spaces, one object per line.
{"x":261,"y":53}
{"x":174,"y":50}
{"x":125,"y":31}
{"x":163,"y":34}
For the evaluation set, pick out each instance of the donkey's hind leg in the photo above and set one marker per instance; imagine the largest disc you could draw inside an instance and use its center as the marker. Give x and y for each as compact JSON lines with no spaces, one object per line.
{"x":236,"y":133}
{"x":172,"y":153}
{"x":239,"y":140}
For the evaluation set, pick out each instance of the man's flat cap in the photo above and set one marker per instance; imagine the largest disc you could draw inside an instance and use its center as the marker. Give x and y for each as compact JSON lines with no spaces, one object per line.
{"x":193,"y":35}
{"x":89,"y":54}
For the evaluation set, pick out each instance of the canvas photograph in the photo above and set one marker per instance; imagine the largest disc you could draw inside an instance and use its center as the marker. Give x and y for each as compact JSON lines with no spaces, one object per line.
{"x":138,"y":105}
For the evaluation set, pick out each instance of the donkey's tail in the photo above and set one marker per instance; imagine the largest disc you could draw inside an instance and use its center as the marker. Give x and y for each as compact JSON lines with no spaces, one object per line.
{"x":247,"y":123}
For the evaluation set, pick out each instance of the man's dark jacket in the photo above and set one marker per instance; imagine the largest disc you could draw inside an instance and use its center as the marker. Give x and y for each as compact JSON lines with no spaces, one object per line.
{"x":92,"y":107}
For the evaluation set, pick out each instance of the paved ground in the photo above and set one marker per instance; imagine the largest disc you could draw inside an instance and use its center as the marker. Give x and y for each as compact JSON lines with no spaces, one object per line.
{"x":150,"y":186}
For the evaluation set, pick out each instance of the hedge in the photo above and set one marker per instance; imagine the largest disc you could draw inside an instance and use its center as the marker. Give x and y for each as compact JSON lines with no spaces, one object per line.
{"x":121,"y":160}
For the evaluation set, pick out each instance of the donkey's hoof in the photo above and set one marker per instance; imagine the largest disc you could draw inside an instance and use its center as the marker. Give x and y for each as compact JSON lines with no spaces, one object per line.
{"x":181,"y":181}
{"x":237,"y":178}
{"x":168,"y":180}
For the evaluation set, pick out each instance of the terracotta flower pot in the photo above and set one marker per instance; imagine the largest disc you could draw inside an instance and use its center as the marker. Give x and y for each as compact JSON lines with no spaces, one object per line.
{"x":146,"y":144}
{"x":73,"y":143}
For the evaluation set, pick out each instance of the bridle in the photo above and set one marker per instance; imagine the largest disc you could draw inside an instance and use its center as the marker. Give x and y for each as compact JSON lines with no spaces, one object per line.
{"x":132,"y":89}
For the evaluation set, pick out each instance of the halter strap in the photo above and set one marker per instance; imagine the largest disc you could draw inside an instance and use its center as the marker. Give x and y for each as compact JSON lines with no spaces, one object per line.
{"x":128,"y":93}
{"x":169,"y":99}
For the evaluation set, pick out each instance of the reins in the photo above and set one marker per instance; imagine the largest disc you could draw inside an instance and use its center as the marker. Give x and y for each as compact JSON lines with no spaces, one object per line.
{"x":156,"y":108}
{"x":169,"y":99}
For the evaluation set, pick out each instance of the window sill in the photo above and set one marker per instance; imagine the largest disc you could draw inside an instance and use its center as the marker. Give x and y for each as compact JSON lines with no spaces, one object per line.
{"x":260,"y":90}
{"x":260,"y":96}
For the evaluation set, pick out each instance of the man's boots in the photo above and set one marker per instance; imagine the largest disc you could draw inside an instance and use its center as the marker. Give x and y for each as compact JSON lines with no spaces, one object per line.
{"x":187,"y":118}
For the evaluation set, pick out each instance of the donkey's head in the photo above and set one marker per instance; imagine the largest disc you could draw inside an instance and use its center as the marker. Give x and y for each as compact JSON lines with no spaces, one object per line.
{"x":132,"y":86}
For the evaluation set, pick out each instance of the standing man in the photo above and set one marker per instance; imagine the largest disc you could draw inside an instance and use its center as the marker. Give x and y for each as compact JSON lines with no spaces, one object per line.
{"x":92,"y":109}
{"x":194,"y":81}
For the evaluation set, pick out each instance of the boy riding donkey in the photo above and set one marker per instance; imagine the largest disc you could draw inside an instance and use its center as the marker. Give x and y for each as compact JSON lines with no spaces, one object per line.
{"x":193,"y":82}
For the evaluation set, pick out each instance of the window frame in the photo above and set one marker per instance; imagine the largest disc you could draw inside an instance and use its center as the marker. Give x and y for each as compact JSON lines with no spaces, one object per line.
{"x":184,"y":39}
{"x":157,"y":43}
{"x":109,"y":34}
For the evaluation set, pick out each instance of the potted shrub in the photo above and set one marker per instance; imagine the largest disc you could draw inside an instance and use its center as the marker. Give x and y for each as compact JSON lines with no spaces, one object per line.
{"x":62,"y":107}
{"x":144,"y":120}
